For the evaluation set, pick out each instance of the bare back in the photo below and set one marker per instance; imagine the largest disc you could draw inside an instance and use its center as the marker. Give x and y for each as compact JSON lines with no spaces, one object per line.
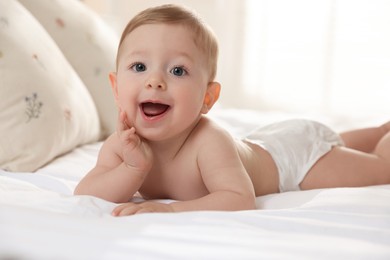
{"x":260,"y":166}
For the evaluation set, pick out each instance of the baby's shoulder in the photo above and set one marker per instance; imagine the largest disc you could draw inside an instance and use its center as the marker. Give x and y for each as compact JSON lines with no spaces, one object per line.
{"x":216,"y":147}
{"x":209,"y":132}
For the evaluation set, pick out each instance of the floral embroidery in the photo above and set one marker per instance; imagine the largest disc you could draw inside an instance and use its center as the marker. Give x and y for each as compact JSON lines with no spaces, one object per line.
{"x":68,"y":114}
{"x":60,"y":23}
{"x":36,"y":58}
{"x":33,"y":109}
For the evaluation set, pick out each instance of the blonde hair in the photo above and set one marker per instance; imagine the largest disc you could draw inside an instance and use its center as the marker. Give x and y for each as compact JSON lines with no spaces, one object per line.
{"x":172,"y":14}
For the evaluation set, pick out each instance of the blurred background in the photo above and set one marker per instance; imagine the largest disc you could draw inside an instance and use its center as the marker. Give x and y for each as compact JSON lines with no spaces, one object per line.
{"x":325,"y":56}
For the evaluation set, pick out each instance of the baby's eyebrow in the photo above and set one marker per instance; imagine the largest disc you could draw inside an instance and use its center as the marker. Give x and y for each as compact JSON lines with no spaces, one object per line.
{"x":136,"y":53}
{"x":185,"y":55}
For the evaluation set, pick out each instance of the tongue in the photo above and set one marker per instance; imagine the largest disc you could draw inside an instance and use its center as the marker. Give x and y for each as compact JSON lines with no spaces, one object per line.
{"x":154,"y":109}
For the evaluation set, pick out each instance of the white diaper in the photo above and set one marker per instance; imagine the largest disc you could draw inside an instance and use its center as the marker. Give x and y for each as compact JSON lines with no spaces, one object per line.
{"x":295,"y":145}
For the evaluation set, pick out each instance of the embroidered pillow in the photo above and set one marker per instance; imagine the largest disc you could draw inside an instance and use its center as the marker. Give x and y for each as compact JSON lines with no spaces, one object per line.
{"x":88,"y":44}
{"x":45,"y":109}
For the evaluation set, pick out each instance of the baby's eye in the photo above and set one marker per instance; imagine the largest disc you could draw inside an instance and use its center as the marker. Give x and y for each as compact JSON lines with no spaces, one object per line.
{"x":178,"y":71}
{"x":139,"y":67}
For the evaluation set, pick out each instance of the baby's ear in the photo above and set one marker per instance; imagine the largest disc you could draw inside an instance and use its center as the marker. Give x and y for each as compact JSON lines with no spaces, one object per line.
{"x":211,"y":96}
{"x":114,"y":87}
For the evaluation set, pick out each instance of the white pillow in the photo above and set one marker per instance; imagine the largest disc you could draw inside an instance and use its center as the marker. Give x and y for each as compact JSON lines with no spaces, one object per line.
{"x":89,"y":45}
{"x":45,"y":109}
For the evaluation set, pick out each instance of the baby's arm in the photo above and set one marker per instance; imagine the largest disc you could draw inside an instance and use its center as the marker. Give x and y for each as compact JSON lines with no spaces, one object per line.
{"x":228,"y":192}
{"x":123,"y":163}
{"x":228,"y":183}
{"x":224,"y":175}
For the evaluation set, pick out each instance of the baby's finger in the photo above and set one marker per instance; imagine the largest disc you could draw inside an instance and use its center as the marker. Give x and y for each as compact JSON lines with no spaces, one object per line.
{"x":143,"y":210}
{"x":128,"y":136}
{"x":118,"y":209}
{"x":125,"y":209}
{"x":121,"y":124}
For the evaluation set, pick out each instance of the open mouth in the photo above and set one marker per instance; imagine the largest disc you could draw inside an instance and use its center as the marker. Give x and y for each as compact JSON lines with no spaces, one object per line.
{"x":152,"y":109}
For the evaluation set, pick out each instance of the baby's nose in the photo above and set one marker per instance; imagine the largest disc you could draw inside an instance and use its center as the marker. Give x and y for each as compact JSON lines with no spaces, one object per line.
{"x":156,"y":82}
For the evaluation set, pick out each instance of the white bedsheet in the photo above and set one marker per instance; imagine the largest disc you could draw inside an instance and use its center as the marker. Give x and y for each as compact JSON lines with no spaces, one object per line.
{"x":41,"y":219}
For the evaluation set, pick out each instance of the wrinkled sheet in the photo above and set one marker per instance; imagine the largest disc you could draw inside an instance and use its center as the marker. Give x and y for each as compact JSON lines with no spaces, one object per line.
{"x":41,"y":219}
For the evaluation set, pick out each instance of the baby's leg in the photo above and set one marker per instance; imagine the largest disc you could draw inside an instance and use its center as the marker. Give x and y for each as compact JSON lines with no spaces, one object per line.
{"x":365,"y":139}
{"x":346,"y":167}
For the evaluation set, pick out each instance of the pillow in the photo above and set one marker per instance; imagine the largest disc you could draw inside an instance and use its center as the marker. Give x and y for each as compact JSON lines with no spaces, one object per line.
{"x":89,"y":45}
{"x":45,"y":109}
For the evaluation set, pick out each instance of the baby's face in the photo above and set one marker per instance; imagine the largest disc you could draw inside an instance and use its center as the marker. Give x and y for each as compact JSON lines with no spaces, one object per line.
{"x":161,"y":80}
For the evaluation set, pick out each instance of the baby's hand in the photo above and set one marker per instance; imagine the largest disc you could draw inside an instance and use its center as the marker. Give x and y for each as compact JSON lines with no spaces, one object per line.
{"x":136,"y":153}
{"x":131,"y":208}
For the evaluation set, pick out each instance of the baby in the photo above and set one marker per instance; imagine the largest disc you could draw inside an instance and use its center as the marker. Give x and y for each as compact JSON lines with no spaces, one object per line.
{"x":166,"y":148}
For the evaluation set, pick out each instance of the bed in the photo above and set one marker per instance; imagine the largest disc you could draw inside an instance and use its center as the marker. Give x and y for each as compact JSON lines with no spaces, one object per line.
{"x":41,"y":219}
{"x":50,"y":141}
